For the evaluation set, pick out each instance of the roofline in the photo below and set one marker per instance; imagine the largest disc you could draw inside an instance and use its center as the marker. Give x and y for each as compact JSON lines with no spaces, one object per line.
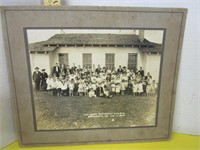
{"x":48,"y":47}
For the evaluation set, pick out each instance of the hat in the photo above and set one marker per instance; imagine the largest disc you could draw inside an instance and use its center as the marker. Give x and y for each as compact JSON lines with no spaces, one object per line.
{"x":43,"y":69}
{"x":36,"y":68}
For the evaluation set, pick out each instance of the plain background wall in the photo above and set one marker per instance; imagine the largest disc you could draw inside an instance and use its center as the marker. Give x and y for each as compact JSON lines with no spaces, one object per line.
{"x":187,"y":111}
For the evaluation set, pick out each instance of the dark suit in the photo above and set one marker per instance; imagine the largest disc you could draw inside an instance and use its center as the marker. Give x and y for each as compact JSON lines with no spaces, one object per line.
{"x":141,"y":72}
{"x":44,"y":76}
{"x":99,"y":91}
{"x":98,"y":70}
{"x":72,"y":70}
{"x":120,"y":70}
{"x":130,"y":88}
{"x":56,"y":71}
{"x":36,"y":79}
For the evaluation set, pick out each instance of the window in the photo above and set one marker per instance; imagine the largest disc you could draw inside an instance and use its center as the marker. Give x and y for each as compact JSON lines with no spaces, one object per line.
{"x":63,"y":59}
{"x":87,"y":59}
{"x":132,"y":61}
{"x":110,"y":61}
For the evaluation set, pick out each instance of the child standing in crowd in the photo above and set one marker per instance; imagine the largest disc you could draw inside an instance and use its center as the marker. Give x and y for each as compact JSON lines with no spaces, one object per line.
{"x":144,"y":88}
{"x":125,"y":79}
{"x":140,"y":88}
{"x":58,"y":87}
{"x":148,"y":90}
{"x":117,"y":88}
{"x":150,"y":81}
{"x":49,"y":82}
{"x":85,"y":89}
{"x":76,"y":88}
{"x":54,"y":86}
{"x":64,"y":88}
{"x":123,"y":87}
{"x":71,"y":88}
{"x":153,"y":88}
{"x":129,"y":88}
{"x":135,"y":87}
{"x":80,"y":88}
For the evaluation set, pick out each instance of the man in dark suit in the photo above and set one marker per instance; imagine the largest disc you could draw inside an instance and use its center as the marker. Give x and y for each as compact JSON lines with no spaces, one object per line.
{"x":44,"y":77}
{"x":141,"y":72}
{"x":36,"y":79}
{"x":56,"y":70}
{"x":98,"y":70}
{"x":73,"y":69}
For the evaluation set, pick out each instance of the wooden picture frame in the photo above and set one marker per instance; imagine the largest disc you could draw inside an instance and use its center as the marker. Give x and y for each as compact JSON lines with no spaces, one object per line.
{"x":18,"y":21}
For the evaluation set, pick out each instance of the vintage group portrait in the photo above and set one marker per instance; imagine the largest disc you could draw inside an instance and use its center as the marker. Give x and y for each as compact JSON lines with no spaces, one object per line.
{"x":93,"y":74}
{"x":94,"y":78}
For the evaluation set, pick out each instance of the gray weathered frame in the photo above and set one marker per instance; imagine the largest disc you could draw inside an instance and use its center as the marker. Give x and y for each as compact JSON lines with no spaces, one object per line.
{"x":15,"y":19}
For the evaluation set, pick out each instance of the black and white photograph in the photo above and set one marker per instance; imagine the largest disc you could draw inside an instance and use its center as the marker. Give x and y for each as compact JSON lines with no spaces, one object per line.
{"x":94,"y":78}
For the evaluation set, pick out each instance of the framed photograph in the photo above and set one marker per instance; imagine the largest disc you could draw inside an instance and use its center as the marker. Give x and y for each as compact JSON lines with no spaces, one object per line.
{"x":93,"y":74}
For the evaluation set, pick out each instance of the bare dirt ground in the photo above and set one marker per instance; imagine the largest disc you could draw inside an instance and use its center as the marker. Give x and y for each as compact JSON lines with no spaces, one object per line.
{"x":82,"y":112}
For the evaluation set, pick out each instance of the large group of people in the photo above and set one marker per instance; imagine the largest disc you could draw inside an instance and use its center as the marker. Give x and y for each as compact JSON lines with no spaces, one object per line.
{"x":94,"y":82}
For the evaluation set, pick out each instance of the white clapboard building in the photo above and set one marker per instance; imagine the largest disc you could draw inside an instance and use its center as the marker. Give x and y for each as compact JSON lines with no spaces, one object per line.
{"x":109,"y":50}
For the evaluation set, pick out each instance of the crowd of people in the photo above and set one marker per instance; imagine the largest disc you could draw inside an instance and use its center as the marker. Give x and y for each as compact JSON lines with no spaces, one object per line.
{"x":96,"y":82}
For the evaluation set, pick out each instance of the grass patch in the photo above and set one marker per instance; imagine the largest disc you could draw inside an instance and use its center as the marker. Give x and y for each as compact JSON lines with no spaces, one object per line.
{"x":82,"y":112}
